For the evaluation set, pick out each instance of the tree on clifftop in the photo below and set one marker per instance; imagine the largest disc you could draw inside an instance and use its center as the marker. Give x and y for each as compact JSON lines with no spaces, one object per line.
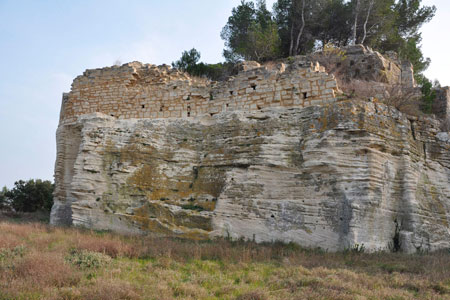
{"x":188,"y":60}
{"x":305,"y":25}
{"x":250,"y":33}
{"x":395,"y":26}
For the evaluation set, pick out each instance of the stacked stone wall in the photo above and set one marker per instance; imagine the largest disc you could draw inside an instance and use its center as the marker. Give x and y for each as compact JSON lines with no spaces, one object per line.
{"x":441,"y":105}
{"x":136,"y":90}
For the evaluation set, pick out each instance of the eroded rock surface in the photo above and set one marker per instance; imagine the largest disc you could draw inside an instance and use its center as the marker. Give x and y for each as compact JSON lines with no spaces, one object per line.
{"x":329,"y":176}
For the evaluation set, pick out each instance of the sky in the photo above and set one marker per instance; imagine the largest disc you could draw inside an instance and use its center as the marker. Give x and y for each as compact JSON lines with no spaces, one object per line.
{"x":45,"y":44}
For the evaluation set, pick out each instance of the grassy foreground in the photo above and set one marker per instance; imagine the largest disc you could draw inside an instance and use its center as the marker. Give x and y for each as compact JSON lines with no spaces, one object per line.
{"x":41,"y":262}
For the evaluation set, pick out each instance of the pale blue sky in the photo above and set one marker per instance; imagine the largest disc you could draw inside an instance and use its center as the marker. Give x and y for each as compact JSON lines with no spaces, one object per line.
{"x":45,"y":44}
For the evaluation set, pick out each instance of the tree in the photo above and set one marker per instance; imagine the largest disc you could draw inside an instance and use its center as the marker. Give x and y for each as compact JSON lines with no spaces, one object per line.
{"x":428,"y":94}
{"x":249,"y":33}
{"x":369,"y":10}
{"x":3,"y":198}
{"x":264,"y":43}
{"x":410,"y":49}
{"x":31,"y":195}
{"x":282,"y":15}
{"x":297,"y":21}
{"x":190,"y":63}
{"x":385,"y":25}
{"x":411,"y":16}
{"x":355,"y":22}
{"x":333,"y":23}
{"x":300,"y":33}
{"x":188,"y":60}
{"x":395,"y":26}
{"x":235,"y":32}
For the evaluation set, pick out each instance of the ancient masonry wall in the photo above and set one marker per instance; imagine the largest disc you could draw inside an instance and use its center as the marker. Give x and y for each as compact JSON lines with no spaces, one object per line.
{"x":135,"y":90}
{"x":441,"y":105}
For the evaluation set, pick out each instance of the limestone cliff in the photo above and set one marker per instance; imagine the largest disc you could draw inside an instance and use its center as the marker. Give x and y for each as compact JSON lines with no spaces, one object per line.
{"x":332,"y":175}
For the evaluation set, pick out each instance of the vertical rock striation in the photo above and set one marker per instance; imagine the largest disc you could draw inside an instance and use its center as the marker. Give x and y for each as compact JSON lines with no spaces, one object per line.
{"x":328,"y":176}
{"x":269,"y":155}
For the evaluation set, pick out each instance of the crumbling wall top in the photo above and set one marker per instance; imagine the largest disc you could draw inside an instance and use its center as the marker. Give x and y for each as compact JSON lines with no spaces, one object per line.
{"x":136,"y":90}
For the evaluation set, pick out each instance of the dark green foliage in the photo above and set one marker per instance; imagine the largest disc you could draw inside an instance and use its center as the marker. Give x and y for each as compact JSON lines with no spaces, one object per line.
{"x":428,"y":94}
{"x":31,"y":195}
{"x":189,"y":62}
{"x":333,"y":23}
{"x":387,"y":25}
{"x":3,"y":199}
{"x":411,"y":16}
{"x":235,"y":32}
{"x":302,"y":26}
{"x":250,"y":33}
{"x":325,"y":21}
{"x":283,"y":20}
{"x":400,"y":30}
{"x":214,"y":72}
{"x":411,"y":51}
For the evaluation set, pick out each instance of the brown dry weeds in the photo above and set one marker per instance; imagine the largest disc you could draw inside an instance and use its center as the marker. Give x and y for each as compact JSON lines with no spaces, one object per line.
{"x":33,"y":265}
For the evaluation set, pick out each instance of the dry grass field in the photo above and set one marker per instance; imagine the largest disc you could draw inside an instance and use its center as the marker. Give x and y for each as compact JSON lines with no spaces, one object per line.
{"x":42,"y":262}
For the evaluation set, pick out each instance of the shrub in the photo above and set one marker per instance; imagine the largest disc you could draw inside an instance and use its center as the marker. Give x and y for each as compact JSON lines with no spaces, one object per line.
{"x":87,"y":259}
{"x":31,"y":195}
{"x":428,"y":94}
{"x":406,"y":100}
{"x":41,"y":269}
{"x":189,"y":62}
{"x":4,"y":203}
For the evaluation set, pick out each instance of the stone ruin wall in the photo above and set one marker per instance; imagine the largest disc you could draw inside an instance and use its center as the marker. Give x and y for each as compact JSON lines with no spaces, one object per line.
{"x":136,"y":90}
{"x":281,"y":174}
{"x":441,"y":106}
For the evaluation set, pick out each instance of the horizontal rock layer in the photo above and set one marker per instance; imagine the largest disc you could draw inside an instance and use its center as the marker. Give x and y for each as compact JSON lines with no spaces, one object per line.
{"x":330,"y":176}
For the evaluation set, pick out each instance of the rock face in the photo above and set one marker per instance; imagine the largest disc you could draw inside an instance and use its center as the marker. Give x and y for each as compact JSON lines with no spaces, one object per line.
{"x":360,"y":63}
{"x":329,"y":176}
{"x":269,"y":155}
{"x":441,"y":107}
